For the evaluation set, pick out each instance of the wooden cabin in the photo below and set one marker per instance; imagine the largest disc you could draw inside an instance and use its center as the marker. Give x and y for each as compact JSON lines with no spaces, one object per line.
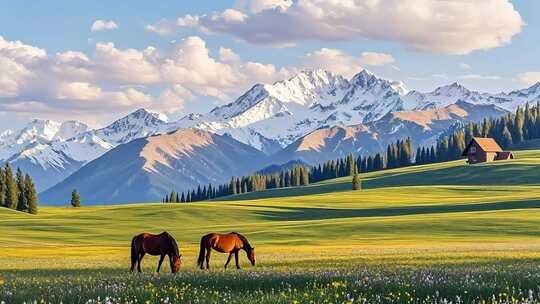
{"x":484,"y":150}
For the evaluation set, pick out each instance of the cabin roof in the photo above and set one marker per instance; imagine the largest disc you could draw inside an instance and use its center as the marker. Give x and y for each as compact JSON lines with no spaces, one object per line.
{"x":485,"y":143}
{"x":505,"y":155}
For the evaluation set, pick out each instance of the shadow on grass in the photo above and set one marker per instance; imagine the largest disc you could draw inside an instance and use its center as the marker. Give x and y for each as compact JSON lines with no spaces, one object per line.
{"x":305,"y":213}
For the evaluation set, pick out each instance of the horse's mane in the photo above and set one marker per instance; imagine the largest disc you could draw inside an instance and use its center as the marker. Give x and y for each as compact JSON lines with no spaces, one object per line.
{"x":244,"y":240}
{"x":173,"y":243}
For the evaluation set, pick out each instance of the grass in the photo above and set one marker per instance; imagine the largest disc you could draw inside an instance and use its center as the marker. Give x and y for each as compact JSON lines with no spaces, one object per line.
{"x":411,"y":235}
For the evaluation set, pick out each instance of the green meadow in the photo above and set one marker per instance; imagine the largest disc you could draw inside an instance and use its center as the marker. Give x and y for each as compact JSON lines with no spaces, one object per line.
{"x":421,"y":234}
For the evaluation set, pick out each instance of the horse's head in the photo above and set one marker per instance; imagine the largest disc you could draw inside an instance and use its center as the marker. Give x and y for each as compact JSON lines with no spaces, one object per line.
{"x":177,"y":262}
{"x":251,"y":255}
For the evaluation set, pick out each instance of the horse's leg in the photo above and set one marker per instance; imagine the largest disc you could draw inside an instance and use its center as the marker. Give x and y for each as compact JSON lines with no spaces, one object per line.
{"x":160,"y":261}
{"x":208,"y":258}
{"x":139,"y":262}
{"x":133,"y":260}
{"x":171,"y":262}
{"x":228,"y":260}
{"x":236,"y":259}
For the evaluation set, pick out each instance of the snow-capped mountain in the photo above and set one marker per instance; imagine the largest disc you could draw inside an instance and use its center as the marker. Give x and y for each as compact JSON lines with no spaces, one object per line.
{"x":283,"y":112}
{"x":35,"y":133}
{"x":51,"y":151}
{"x":270,"y":118}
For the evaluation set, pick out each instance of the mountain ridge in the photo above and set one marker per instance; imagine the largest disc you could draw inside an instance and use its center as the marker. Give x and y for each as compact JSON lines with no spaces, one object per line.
{"x":270,"y":118}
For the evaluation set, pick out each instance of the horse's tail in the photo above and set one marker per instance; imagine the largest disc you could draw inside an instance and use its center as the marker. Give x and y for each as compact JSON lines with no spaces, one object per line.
{"x":200,"y":260}
{"x":133,"y":253}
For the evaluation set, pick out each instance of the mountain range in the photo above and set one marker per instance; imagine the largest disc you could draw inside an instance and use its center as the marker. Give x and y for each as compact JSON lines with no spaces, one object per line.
{"x":311,"y":117}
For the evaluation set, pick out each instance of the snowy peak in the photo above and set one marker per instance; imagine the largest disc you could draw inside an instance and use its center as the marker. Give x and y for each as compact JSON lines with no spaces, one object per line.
{"x":364,"y":79}
{"x":451,"y":90}
{"x":71,"y":129}
{"x":140,"y":123}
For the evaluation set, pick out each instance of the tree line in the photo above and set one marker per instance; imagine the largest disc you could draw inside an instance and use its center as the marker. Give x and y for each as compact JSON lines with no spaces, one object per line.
{"x":507,"y":130}
{"x":17,"y":192}
{"x":297,"y":176}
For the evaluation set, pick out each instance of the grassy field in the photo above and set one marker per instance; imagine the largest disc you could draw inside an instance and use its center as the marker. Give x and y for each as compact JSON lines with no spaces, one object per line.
{"x":421,"y":234}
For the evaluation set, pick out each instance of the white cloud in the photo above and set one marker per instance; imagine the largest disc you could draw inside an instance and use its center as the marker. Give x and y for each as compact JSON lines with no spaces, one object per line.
{"x":255,"y":6}
{"x":450,"y":27}
{"x":163,"y":27}
{"x":103,"y":25}
{"x":333,"y":60}
{"x":465,"y":66}
{"x":479,"y":77}
{"x":128,"y":66}
{"x":78,"y":91}
{"x":529,"y":78}
{"x":111,"y":80}
{"x":228,"y":55}
{"x":376,"y":59}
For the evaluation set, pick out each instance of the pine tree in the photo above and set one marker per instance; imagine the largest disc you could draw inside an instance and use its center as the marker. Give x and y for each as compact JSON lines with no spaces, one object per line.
{"x":22,"y":205}
{"x":234,"y":185}
{"x":11,"y":195}
{"x":519,"y":121}
{"x":30,"y":195}
{"x":356,"y":182}
{"x":75,"y":199}
{"x":506,"y":138}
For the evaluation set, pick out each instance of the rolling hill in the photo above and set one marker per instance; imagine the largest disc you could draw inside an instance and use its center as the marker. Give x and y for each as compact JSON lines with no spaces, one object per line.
{"x":451,"y":203}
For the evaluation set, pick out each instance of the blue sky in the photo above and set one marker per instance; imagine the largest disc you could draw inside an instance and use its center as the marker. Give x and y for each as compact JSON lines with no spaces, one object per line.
{"x":487,"y":47}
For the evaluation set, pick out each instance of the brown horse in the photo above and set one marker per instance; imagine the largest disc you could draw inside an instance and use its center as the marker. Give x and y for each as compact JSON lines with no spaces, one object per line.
{"x":162,"y":244}
{"x":230,"y":243}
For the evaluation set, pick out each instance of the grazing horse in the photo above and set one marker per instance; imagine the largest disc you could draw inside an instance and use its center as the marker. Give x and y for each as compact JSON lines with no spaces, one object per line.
{"x":162,"y":244}
{"x":230,"y":243}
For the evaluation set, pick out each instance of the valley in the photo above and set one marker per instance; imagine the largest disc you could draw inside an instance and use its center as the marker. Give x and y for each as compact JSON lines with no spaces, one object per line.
{"x":454,"y":217}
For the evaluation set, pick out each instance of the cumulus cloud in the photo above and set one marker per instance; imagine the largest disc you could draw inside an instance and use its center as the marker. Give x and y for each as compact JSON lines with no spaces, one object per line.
{"x":111,"y":80}
{"x":529,"y":78}
{"x":103,"y":25}
{"x":333,"y":60}
{"x":255,"y":6}
{"x":450,"y":27}
{"x":376,"y":59}
{"x":228,"y":55}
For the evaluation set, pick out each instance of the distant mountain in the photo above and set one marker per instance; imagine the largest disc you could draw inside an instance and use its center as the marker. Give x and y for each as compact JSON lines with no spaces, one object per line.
{"x":314,"y":112}
{"x":270,"y":117}
{"x":328,"y":143}
{"x":144,"y":169}
{"x":51,"y":151}
{"x":276,"y":169}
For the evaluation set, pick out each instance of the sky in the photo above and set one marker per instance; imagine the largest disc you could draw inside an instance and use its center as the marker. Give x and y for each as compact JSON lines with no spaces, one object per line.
{"x":94,"y":61}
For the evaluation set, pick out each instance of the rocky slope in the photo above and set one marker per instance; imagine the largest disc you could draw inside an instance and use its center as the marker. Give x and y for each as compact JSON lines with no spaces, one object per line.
{"x":144,"y":169}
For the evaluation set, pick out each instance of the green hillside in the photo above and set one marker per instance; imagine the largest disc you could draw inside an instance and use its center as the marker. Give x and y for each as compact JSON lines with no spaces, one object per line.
{"x":457,"y":201}
{"x":317,"y":244}
{"x":519,"y":171}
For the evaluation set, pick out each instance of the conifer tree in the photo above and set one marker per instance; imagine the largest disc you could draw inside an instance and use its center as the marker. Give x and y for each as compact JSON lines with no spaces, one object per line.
{"x":11,"y":195}
{"x":356,"y":182}
{"x":506,"y":138}
{"x":519,"y":121}
{"x":234,"y":185}
{"x":75,"y":199}
{"x":22,"y":205}
{"x":30,"y":194}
